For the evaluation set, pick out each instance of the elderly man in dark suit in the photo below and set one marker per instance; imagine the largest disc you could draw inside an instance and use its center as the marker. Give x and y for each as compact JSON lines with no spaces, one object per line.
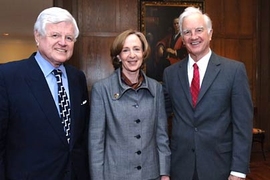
{"x":211,"y":106}
{"x":40,"y":137}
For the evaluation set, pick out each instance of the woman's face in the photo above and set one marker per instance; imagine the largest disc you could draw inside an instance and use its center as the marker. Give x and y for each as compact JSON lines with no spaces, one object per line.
{"x":131,"y":54}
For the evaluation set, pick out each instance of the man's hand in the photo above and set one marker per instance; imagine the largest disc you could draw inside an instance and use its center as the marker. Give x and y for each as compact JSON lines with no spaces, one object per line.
{"x":231,"y":177}
{"x":171,"y":51}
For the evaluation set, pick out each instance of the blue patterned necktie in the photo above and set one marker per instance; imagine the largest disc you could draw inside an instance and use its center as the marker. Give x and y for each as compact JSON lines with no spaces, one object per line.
{"x":63,"y":103}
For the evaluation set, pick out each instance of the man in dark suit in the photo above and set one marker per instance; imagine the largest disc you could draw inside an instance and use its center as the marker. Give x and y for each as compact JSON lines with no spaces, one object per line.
{"x":212,"y":132}
{"x":37,"y":141}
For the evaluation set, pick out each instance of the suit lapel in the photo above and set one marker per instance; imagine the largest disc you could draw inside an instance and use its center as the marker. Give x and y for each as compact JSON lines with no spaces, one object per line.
{"x":39,"y":87}
{"x":75,"y":101}
{"x":212,"y":71}
{"x":183,"y":78}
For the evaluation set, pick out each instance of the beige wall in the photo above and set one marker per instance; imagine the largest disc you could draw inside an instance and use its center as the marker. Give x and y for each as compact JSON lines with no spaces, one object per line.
{"x":15,"y":50}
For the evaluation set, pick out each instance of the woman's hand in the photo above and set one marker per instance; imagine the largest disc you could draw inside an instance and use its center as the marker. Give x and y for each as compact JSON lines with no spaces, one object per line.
{"x":165,"y":178}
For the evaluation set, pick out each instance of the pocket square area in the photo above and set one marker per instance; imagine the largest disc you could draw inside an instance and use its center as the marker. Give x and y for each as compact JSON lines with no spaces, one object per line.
{"x":84,"y":102}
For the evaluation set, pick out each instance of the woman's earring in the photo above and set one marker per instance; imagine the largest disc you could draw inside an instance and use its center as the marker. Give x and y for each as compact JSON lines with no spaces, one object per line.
{"x":119,"y":58}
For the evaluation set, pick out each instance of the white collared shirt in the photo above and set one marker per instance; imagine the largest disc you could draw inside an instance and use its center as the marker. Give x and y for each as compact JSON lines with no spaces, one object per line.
{"x":202,"y":64}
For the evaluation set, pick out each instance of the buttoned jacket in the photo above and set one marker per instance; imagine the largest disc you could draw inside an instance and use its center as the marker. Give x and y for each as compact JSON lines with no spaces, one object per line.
{"x":128,"y":130}
{"x":33,"y":144}
{"x":215,"y":136}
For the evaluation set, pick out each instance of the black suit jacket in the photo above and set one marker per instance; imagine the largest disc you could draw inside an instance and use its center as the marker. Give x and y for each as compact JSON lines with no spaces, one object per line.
{"x":32,"y":140}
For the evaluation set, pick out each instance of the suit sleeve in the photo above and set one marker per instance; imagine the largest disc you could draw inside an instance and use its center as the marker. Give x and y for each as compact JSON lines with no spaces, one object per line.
{"x":96,"y":134}
{"x":4,"y":115}
{"x":168,"y":103}
{"x":162,"y":136}
{"x":242,"y":118}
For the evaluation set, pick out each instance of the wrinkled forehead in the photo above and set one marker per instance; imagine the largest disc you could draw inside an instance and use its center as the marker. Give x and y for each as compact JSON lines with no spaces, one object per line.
{"x":64,"y":27}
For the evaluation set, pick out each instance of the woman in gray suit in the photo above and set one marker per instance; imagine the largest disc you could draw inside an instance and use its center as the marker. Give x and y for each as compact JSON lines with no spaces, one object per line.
{"x":128,"y":126}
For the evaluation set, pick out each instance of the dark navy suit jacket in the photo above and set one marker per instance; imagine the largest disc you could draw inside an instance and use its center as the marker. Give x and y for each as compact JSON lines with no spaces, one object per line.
{"x":32,"y":140}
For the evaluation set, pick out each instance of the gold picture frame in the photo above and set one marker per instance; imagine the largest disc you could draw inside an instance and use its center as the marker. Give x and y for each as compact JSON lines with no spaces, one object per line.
{"x":148,"y":10}
{"x":155,"y":21}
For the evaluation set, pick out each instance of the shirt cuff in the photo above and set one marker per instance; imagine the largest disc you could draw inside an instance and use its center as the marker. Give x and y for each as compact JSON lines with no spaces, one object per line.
{"x":238,"y":174}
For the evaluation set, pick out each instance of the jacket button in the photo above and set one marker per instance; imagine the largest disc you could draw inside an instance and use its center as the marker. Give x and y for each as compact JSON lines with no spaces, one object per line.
{"x":67,"y":172}
{"x":137,"y":121}
{"x":139,"y":167}
{"x":138,"y":152}
{"x":138,"y":136}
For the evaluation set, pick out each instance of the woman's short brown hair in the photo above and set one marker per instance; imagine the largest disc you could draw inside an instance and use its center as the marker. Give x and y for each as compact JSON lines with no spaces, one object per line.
{"x":118,"y":44}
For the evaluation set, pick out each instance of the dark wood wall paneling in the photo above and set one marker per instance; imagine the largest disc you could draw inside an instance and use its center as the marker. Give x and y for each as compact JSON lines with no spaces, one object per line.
{"x":241,"y":32}
{"x":99,"y":25}
{"x":234,"y":25}
{"x":263,"y":68}
{"x":99,"y":22}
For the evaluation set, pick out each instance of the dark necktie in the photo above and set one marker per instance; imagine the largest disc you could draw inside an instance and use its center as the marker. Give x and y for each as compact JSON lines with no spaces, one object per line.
{"x":63,"y":103}
{"x":195,"y":84}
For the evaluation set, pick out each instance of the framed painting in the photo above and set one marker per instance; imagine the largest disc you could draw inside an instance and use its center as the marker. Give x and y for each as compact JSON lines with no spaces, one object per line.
{"x":158,"y":20}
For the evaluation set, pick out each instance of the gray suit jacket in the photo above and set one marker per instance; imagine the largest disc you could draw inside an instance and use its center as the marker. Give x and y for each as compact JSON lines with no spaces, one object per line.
{"x":128,"y":131}
{"x":215,"y":137}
